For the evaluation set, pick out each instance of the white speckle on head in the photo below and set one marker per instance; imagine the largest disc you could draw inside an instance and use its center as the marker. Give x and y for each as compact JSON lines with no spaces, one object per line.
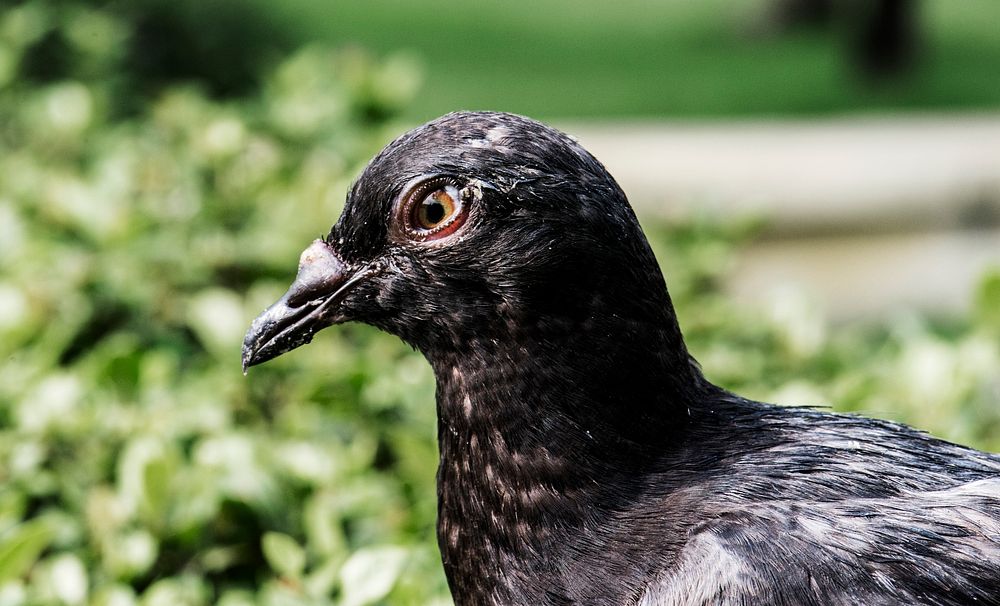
{"x":473,"y":192}
{"x":492,"y":139}
{"x":496,"y":133}
{"x":467,"y":406}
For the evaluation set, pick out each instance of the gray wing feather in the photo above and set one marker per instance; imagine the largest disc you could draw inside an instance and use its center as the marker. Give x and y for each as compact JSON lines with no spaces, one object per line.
{"x":937,"y":547}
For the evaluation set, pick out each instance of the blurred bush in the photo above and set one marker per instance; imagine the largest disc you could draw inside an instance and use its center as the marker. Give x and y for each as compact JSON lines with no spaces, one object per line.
{"x":940,"y":374}
{"x":142,"y":227}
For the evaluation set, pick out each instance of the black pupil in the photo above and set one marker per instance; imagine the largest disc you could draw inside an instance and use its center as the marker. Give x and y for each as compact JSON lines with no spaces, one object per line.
{"x":433,"y":211}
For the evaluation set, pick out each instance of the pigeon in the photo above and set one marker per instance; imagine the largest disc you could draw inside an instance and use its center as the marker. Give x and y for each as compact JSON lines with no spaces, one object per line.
{"x":584,"y":456}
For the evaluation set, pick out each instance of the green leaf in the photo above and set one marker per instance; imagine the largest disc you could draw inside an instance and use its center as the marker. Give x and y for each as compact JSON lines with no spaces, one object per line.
{"x":369,"y":574}
{"x":20,"y":548}
{"x":323,"y":578}
{"x":987,"y":298}
{"x":156,"y":488}
{"x":12,"y":505}
{"x":284,"y":555}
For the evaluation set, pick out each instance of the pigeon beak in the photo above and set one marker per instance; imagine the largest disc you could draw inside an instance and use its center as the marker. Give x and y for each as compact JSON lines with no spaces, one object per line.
{"x":310,"y":305}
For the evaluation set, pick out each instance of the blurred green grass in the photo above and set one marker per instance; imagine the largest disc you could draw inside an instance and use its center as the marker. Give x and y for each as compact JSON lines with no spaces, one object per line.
{"x":570,"y":58}
{"x":138,"y":239}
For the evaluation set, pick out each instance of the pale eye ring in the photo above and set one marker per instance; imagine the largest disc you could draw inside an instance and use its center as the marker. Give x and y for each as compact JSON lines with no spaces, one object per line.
{"x":433,"y":210}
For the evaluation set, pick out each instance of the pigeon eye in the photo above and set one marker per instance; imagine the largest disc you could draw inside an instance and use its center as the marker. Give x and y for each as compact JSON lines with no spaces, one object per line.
{"x":436,"y":208}
{"x":433,"y":212}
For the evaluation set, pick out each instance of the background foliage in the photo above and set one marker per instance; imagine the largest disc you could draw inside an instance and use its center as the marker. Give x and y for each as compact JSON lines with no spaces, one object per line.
{"x":145,"y":219}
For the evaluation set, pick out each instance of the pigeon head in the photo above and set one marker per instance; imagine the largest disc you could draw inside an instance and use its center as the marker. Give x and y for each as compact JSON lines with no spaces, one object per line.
{"x":484,"y":235}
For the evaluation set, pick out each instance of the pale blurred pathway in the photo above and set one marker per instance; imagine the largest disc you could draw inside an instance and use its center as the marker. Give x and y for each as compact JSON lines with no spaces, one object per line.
{"x":867,"y":214}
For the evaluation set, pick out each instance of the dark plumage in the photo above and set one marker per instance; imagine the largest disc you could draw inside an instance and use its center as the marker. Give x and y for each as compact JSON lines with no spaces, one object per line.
{"x":584,"y":457}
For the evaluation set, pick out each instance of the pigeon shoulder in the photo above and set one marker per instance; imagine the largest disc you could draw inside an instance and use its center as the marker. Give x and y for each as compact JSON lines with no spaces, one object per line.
{"x":837,"y":509}
{"x":776,"y":452}
{"x":936,"y":547}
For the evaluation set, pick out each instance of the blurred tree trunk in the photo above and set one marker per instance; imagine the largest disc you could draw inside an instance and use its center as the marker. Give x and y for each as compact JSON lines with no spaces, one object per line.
{"x":886,"y":37}
{"x":882,"y":35}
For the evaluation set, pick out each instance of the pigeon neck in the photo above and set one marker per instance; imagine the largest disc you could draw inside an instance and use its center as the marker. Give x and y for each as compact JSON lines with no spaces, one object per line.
{"x":540,"y":425}
{"x":609,"y":371}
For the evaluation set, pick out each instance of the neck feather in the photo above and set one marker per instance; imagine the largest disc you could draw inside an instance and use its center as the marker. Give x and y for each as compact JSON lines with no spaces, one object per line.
{"x":543,"y":424}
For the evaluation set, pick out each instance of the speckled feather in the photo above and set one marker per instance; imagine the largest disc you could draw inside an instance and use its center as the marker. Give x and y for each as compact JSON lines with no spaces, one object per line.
{"x":584,"y":458}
